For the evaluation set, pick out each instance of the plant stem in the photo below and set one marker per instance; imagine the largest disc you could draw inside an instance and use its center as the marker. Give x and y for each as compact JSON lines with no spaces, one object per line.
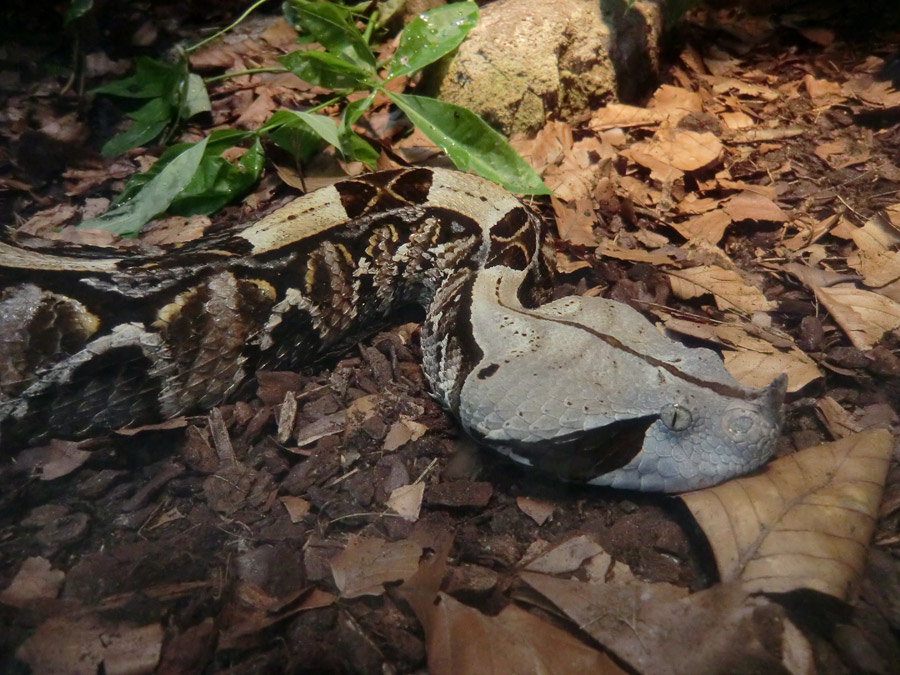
{"x":218,"y":34}
{"x":249,"y":71}
{"x":325,"y":104}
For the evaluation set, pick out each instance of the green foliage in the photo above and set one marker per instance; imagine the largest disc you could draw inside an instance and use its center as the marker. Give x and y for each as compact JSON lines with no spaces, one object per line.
{"x":348,"y":64}
{"x":470,"y":143}
{"x":171,"y":92}
{"x":195,"y":179}
{"x":155,"y":196}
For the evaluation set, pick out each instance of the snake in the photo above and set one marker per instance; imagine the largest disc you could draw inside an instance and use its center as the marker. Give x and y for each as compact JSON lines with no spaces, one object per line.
{"x":585,"y":389}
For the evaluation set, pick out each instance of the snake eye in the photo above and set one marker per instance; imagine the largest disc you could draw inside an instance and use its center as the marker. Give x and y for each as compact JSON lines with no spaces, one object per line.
{"x":676,"y":417}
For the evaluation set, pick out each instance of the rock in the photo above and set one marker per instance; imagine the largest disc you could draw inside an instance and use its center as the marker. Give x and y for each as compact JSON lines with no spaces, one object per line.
{"x":528,"y":60}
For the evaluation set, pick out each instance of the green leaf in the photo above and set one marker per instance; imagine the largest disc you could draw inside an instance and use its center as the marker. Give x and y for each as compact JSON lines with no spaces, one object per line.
{"x":470,"y":142}
{"x":218,"y":182}
{"x":322,"y":125}
{"x":293,"y":134}
{"x":216,"y":143}
{"x":149,"y":122}
{"x":136,"y":135}
{"x":151,"y":79}
{"x":77,"y":9}
{"x":332,"y":26}
{"x":326,"y":70}
{"x":352,"y":145}
{"x":128,"y":218}
{"x":196,"y":98}
{"x":431,"y":35}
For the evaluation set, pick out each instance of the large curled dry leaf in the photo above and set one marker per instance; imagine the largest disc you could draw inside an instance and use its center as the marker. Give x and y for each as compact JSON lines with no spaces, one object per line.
{"x":727,"y":287}
{"x":803,"y":523}
{"x":460,"y":640}
{"x":659,"y":629}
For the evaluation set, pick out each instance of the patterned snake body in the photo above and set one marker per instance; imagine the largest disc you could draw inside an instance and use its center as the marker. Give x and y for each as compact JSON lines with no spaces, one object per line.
{"x":585,"y":388}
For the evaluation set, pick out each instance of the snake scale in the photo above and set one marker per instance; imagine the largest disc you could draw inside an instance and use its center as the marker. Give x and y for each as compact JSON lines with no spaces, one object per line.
{"x":582,"y":387}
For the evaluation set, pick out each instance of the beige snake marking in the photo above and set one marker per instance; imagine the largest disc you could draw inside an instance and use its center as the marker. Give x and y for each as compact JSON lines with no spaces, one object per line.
{"x":582,"y":387}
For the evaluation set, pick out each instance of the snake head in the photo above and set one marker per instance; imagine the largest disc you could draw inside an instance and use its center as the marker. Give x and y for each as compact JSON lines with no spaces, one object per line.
{"x":687,"y":448}
{"x":590,"y":391}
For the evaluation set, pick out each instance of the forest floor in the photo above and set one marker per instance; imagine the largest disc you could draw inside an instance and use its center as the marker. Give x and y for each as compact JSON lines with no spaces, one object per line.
{"x":338,"y":521}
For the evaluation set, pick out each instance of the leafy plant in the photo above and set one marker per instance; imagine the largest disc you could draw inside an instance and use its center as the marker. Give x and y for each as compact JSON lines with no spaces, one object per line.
{"x":194,"y":178}
{"x":171,"y":92}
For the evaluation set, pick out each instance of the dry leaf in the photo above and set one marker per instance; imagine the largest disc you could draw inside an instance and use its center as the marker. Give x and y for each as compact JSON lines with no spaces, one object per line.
{"x":875,"y":260}
{"x":49,"y":219}
{"x":842,"y":153}
{"x":461,"y":640}
{"x":49,"y":462}
{"x":366,"y":564}
{"x":810,"y":232}
{"x":252,"y":610}
{"x":660,"y":170}
{"x":651,"y":239}
{"x":35,"y":580}
{"x":876,"y":236}
{"x":565,"y":557}
{"x":566,"y":265}
{"x":759,"y":368}
{"x":615,"y":115}
{"x":727,"y":287}
{"x":575,"y":221}
{"x":752,"y":206}
{"x":297,"y":507}
{"x":612,"y":250}
{"x":693,"y":204}
{"x":537,"y":510}
{"x":875,"y":92}
{"x":659,"y":629}
{"x":803,"y":523}
{"x":720,"y":85}
{"x":82,"y":645}
{"x":402,"y":432}
{"x":863,"y":315}
{"x":326,"y":425}
{"x":678,"y":148}
{"x":823,"y":91}
{"x":710,"y":226}
{"x":674,"y":103}
{"x":639,"y":192}
{"x":877,"y":269}
{"x":736,"y":120}
{"x":840,"y":422}
{"x":752,"y":361}
{"x":818,"y":35}
{"x":406,"y":500}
